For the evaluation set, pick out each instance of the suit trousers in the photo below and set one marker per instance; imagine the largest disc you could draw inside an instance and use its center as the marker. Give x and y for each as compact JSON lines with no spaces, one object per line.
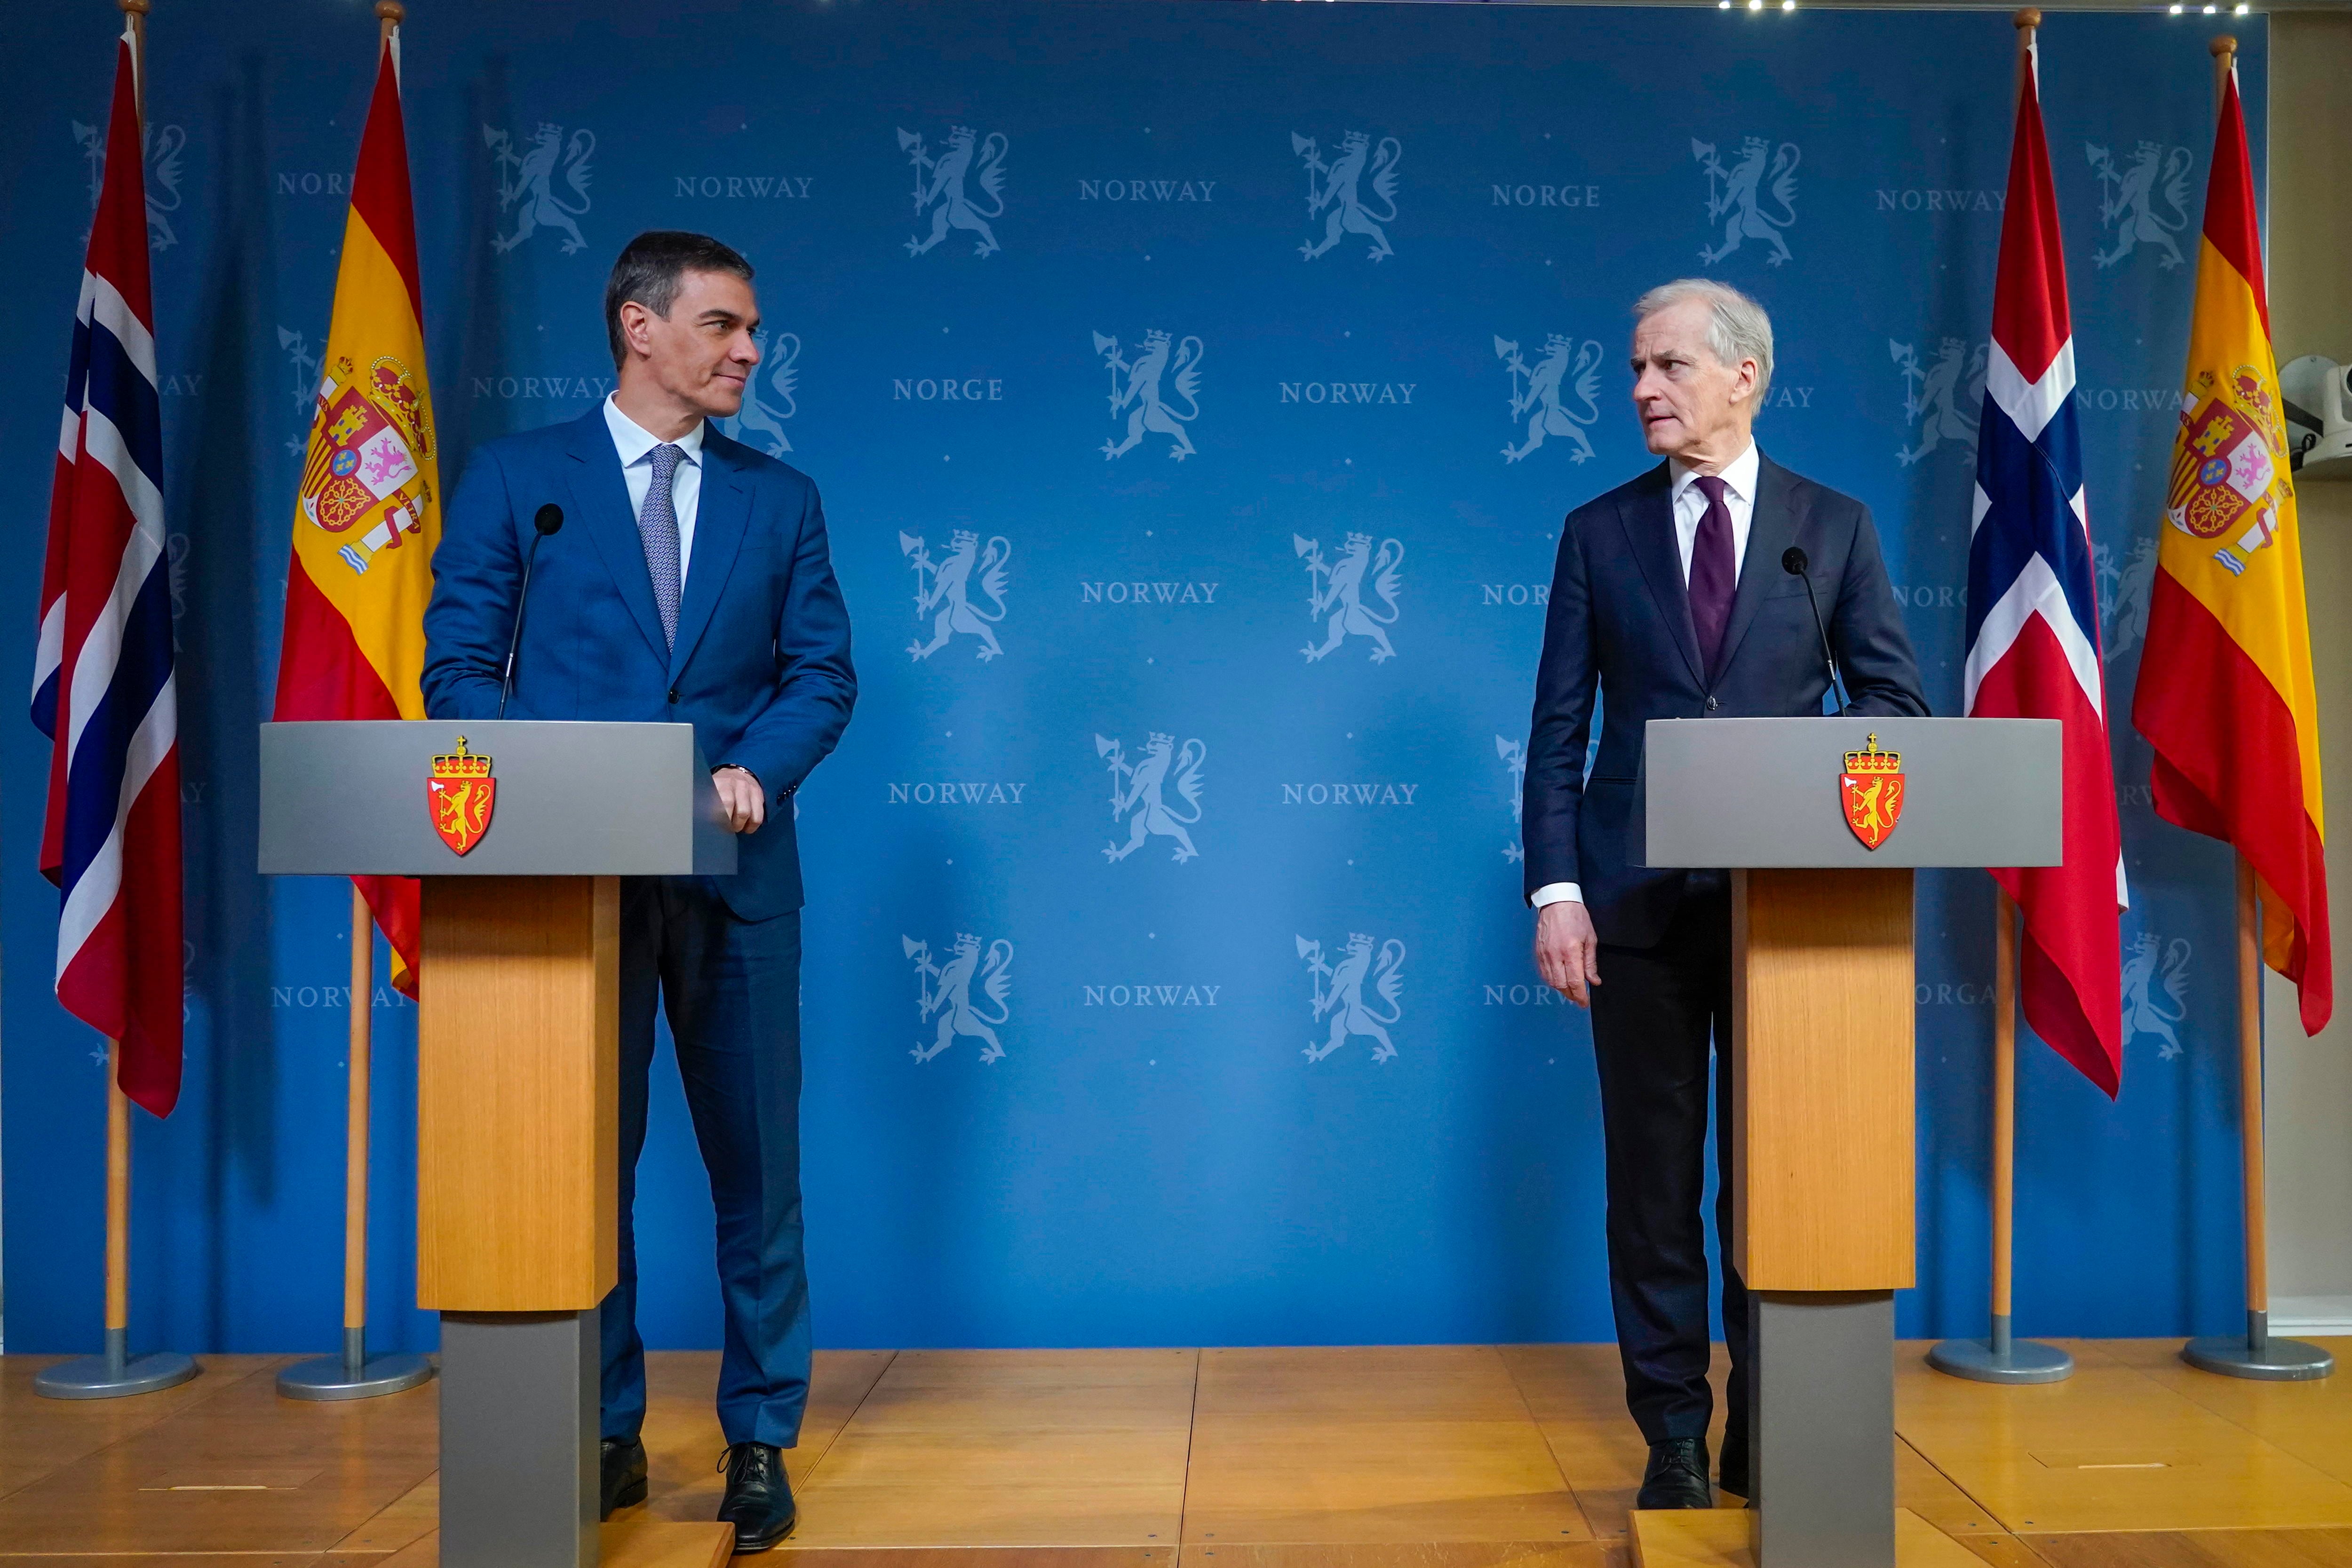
{"x":730,"y":989}
{"x":1655,"y":1014}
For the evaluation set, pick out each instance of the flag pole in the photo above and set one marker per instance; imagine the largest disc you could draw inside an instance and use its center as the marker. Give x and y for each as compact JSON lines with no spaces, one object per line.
{"x":1999,"y":1357}
{"x":112,"y":1374}
{"x":354,"y":1374}
{"x":2257,"y":1355}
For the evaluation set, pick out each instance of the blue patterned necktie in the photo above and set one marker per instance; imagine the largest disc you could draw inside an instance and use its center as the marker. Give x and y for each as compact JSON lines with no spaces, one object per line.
{"x":658,"y":526}
{"x":1714,"y":573}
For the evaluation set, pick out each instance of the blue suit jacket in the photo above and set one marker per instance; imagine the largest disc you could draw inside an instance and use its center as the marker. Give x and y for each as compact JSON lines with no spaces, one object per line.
{"x":1619,"y":620}
{"x":762,"y":665}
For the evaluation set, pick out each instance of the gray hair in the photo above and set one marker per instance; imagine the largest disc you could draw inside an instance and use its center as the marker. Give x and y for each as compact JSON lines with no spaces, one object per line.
{"x":1737,"y":327}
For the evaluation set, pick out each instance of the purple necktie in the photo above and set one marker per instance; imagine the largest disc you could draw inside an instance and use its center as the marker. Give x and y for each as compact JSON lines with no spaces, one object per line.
{"x":1714,"y":573}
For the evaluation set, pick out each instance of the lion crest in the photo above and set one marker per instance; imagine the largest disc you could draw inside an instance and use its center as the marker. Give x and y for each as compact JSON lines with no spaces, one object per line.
{"x":1338,"y":993}
{"x":2153,"y":966}
{"x":939,"y":185}
{"x":1135,"y":390}
{"x":945,"y":588}
{"x":1338,"y":186}
{"x":1737,"y":196}
{"x":1545,"y":381}
{"x":2129,"y":197}
{"x":1338,"y":589}
{"x":1139,"y":792}
{"x":527,"y":183}
{"x":1940,"y":397}
{"x":944,"y":990}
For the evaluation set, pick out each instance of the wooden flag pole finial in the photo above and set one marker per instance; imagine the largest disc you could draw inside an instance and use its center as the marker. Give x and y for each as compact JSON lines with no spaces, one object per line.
{"x":2224,"y":44}
{"x":134,"y":7}
{"x":2026,"y":20}
{"x":391,"y":11}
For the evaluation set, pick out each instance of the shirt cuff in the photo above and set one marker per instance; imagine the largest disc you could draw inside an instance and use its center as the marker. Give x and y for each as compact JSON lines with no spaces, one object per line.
{"x":1558,"y":893}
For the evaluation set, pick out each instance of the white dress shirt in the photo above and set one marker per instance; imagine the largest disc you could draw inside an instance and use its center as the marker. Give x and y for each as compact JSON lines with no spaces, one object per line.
{"x":1690,"y":508}
{"x":636,"y":445}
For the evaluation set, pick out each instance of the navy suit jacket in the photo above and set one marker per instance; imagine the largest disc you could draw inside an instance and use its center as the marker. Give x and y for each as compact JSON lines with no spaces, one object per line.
{"x":1619,"y":623}
{"x":761,"y":667}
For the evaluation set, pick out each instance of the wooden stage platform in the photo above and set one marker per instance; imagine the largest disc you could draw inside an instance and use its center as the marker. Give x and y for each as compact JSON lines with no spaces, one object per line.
{"x":1446,"y":1457}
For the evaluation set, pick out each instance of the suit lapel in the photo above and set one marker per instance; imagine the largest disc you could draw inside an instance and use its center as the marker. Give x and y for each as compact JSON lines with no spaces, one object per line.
{"x":720,"y":516}
{"x":1649,"y":524}
{"x":1772,"y":525}
{"x":601,"y":501}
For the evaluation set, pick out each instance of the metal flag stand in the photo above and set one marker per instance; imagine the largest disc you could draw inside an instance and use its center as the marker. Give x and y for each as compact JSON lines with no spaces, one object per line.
{"x":2256,"y":1355}
{"x":355,"y":1375}
{"x":112,"y":1374}
{"x":2002,"y":1358}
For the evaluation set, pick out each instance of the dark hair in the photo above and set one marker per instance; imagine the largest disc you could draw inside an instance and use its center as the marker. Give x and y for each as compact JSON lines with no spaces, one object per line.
{"x":648,"y":271}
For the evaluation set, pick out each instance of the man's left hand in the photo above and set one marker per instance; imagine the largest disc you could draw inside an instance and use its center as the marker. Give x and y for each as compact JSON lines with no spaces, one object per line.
{"x":741,"y":799}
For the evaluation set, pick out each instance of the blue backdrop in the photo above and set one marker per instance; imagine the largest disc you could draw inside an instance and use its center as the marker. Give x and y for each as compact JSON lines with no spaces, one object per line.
{"x":1195,"y":392}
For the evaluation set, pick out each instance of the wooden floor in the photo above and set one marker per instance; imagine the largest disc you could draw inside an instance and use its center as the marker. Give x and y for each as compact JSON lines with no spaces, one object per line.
{"x":1440,"y":1456}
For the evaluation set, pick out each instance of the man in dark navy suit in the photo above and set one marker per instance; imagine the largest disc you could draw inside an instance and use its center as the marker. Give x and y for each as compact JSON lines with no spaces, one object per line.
{"x":690,"y":583}
{"x":1669,"y":598}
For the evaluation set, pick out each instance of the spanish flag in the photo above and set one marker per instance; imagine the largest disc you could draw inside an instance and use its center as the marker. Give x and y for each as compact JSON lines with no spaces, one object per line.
{"x":2225,"y":692}
{"x":369,"y":513}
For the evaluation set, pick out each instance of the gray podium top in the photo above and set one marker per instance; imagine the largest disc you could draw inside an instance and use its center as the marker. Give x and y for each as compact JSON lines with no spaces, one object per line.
{"x":573,"y":800}
{"x":1765,"y":792}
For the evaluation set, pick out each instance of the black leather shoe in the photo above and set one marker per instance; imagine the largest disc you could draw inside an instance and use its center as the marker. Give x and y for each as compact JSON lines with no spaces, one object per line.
{"x":1676,"y":1477}
{"x":1731,"y":1472}
{"x":759,"y":1502}
{"x":622,"y":1461}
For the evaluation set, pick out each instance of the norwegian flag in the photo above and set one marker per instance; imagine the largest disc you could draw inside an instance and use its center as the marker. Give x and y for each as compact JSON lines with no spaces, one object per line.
{"x":2033,"y":617}
{"x":103,"y":687}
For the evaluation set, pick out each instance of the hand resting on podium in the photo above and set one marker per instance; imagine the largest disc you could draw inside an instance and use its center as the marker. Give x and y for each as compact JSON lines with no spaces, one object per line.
{"x":740,"y":797}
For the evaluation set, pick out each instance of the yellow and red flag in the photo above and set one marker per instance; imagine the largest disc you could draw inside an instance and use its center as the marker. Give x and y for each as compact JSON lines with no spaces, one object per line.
{"x":2225,"y":690}
{"x":369,"y":513}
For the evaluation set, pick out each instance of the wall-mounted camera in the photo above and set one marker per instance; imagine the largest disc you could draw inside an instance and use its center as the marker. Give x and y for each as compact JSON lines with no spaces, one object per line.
{"x":2318,"y":395}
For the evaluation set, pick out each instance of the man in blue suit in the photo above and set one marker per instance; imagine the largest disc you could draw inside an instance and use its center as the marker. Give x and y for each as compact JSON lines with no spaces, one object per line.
{"x":1670,"y":597}
{"x":692,"y":584}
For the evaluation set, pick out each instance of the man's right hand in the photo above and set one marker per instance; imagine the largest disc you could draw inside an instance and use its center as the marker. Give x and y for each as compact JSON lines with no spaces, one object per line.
{"x":1568,"y":952}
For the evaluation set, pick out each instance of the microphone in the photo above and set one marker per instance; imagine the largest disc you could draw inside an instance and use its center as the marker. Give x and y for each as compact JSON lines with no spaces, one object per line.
{"x":548,"y":518}
{"x":1794,"y":563}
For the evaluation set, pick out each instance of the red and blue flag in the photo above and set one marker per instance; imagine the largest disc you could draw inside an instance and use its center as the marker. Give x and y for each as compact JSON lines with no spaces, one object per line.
{"x":2033,"y":617}
{"x":103,"y":681}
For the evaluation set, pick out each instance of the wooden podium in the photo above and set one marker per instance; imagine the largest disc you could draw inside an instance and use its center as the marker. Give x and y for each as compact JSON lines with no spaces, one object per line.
{"x":1822,"y":1118}
{"x":520,"y":832}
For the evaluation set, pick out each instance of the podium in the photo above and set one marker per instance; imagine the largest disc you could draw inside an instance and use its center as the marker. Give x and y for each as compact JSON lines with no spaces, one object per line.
{"x":1822,"y":1113}
{"x":520,"y":832}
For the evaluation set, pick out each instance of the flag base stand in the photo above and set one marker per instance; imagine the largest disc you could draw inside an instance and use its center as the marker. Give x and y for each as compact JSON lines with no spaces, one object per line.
{"x":355,"y":1375}
{"x":114,"y":1375}
{"x":2001,"y":1359}
{"x":2257,"y":1355}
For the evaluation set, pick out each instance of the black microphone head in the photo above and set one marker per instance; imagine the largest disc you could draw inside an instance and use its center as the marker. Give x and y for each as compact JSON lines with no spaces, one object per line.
{"x":1793,"y":561}
{"x":548,"y":518}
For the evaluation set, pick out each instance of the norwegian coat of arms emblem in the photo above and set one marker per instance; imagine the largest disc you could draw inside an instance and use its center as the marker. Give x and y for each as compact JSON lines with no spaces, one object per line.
{"x":2226,"y":478}
{"x":1871,"y":790}
{"x":460,"y":795}
{"x":364,"y":479}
